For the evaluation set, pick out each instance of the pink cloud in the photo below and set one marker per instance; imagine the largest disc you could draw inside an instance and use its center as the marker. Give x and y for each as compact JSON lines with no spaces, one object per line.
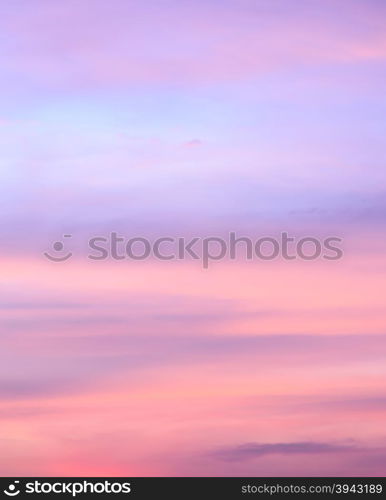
{"x":196,"y":43}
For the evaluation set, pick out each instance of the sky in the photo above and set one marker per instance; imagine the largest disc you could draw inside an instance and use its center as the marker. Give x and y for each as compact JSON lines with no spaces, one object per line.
{"x":192,"y":118}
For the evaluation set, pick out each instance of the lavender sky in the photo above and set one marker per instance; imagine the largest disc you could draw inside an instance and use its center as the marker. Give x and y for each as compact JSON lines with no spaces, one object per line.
{"x":160,"y":118}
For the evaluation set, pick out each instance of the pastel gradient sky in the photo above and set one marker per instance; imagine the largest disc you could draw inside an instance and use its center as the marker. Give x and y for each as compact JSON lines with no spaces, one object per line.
{"x":192,"y":117}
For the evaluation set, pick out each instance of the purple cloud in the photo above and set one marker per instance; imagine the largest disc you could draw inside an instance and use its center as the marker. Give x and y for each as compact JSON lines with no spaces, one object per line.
{"x":255,"y":450}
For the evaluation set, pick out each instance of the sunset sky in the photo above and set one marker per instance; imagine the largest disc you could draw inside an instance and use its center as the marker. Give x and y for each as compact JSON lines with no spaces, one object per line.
{"x":192,"y":118}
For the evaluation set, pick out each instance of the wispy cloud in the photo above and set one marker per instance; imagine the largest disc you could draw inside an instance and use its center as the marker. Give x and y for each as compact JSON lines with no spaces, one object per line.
{"x":250,"y":451}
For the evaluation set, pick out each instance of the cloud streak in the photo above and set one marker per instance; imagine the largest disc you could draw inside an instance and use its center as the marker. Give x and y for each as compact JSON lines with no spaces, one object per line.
{"x":251,"y":451}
